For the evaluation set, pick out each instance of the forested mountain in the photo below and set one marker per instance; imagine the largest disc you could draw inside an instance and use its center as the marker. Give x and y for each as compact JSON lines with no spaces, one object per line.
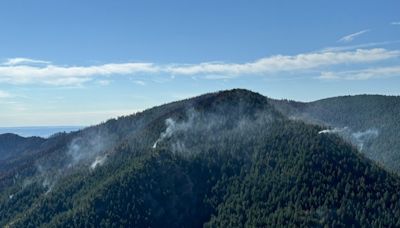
{"x":372,"y":122}
{"x":12,"y":145}
{"x":226,"y":159}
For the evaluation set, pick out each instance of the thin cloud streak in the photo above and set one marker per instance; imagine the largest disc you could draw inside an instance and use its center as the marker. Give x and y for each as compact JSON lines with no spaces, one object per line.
{"x":77,"y":75}
{"x":281,"y":63}
{"x":72,"y":118}
{"x":363,"y":74}
{"x":359,"y":46}
{"x":352,"y":36}
{"x":19,"y":61}
{"x":4,"y":94}
{"x":139,"y":82}
{"x":104,"y":82}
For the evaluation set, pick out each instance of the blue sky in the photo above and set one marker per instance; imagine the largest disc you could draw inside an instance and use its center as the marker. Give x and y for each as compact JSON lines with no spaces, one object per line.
{"x":72,"y":62}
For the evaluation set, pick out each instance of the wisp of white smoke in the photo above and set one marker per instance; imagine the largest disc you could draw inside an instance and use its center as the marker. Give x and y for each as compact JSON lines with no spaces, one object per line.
{"x":173,"y":126}
{"x":99,"y":161}
{"x":333,"y":131}
{"x":361,"y":137}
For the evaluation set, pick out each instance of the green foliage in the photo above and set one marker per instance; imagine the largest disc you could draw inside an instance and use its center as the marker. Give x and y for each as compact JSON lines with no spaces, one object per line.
{"x":358,"y":113}
{"x":12,"y":145}
{"x":232,"y":161}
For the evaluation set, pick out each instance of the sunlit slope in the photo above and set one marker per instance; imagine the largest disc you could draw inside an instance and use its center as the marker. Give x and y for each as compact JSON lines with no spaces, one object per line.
{"x":226,"y":159}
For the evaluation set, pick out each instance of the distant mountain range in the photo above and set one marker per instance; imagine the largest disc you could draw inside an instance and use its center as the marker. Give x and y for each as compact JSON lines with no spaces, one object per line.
{"x":39,"y":131}
{"x":226,"y":159}
{"x":12,"y":145}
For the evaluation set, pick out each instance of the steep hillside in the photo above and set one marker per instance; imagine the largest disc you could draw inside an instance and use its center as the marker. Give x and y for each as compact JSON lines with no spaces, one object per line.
{"x":369,"y":121}
{"x":226,"y":159}
{"x":12,"y":145}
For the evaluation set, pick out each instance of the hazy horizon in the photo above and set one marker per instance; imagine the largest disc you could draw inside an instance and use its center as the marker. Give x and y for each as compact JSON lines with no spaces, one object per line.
{"x":39,"y":131}
{"x":108,"y":116}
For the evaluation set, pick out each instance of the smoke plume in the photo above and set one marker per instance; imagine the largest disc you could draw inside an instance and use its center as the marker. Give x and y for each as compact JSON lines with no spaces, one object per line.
{"x":361,"y":137}
{"x":99,"y":161}
{"x":333,"y":131}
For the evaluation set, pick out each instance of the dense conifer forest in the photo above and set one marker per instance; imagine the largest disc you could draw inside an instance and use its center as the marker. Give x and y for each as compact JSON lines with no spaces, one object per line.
{"x":227,"y":159}
{"x":371,"y":122}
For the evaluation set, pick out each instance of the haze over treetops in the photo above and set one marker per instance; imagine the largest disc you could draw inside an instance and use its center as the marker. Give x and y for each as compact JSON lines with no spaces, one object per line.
{"x":226,"y":159}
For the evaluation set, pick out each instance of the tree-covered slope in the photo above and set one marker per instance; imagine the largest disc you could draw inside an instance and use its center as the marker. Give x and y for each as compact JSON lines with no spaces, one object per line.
{"x":226,"y":159}
{"x":370,"y":121}
{"x":12,"y":145}
{"x":302,"y":178}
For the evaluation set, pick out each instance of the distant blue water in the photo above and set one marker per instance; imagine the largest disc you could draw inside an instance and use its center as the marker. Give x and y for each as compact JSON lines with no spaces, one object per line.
{"x":38,"y":131}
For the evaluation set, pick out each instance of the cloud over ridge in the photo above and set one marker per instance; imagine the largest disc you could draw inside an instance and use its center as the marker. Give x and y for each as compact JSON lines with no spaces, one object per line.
{"x":29,"y":71}
{"x":363,"y":74}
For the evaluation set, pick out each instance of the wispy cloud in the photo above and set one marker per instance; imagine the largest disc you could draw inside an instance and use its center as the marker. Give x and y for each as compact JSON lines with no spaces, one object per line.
{"x":25,"y":61}
{"x":352,"y":36}
{"x":395,"y":23}
{"x":359,"y":46}
{"x":104,"y":82}
{"x":280,"y":63}
{"x":217,"y":77}
{"x":363,"y":74}
{"x":139,"y":82}
{"x":76,"y":75}
{"x":67,"y":118}
{"x":68,"y":75}
{"x":4,"y":94}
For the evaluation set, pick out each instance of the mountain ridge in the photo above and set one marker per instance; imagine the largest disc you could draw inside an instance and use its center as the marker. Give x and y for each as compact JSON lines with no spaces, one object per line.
{"x":353,"y":116}
{"x":229,"y":158}
{"x":13,"y":144}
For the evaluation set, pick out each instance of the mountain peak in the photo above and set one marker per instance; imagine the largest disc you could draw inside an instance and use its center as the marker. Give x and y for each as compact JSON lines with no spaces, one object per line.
{"x":221,"y":159}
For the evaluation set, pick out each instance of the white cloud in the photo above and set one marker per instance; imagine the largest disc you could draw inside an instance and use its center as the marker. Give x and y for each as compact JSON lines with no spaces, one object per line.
{"x":286,"y":63}
{"x":395,"y":23}
{"x":104,"y":82}
{"x":213,"y":76}
{"x":19,"y":61}
{"x":139,"y":82}
{"x":359,"y":46}
{"x":363,"y":74}
{"x":70,"y":118}
{"x":352,"y":36}
{"x":4,"y":94}
{"x":67,"y":75}
{"x":77,"y":75}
